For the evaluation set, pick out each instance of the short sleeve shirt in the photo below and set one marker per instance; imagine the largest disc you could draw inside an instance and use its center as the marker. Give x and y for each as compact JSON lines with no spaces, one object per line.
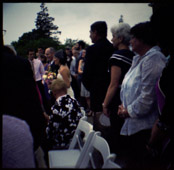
{"x":122,"y":59}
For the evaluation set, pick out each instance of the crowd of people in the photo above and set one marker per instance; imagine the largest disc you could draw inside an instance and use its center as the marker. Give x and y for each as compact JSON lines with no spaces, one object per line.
{"x":128,"y":80}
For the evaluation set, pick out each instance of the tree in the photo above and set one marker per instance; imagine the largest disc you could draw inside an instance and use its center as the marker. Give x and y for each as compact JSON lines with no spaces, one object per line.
{"x":69,"y":42}
{"x":44,"y":23}
{"x":39,"y":37}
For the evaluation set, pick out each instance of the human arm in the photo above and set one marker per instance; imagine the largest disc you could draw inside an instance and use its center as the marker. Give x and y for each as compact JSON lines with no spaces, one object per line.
{"x":73,"y":68}
{"x":142,"y":87}
{"x":87,"y":75}
{"x":41,"y":70}
{"x":113,"y":86}
{"x":80,"y":71}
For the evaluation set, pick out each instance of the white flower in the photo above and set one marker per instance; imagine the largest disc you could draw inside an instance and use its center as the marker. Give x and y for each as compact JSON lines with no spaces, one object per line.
{"x":55,"y":111}
{"x":65,"y":130}
{"x":56,"y":125}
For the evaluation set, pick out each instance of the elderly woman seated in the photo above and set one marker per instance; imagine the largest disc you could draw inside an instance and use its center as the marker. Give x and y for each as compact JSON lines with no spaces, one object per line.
{"x":64,"y":119}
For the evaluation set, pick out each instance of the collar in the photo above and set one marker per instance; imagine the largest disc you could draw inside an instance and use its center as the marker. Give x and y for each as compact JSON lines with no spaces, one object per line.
{"x":60,"y":98}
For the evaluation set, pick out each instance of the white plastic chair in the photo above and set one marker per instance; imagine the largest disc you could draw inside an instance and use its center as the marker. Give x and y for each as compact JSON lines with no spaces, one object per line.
{"x":110,"y":164}
{"x":71,"y":158}
{"x":98,"y":154}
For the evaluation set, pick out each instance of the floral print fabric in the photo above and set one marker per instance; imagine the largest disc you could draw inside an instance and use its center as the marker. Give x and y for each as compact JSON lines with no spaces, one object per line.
{"x":63,"y":122}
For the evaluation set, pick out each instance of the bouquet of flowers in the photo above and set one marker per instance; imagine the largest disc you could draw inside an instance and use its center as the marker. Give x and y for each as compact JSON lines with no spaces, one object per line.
{"x":49,"y":77}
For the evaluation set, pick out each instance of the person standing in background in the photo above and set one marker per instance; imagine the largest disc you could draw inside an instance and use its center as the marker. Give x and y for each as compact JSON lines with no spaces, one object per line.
{"x":95,"y":75}
{"x":83,"y":92}
{"x":139,"y":102}
{"x":119,"y":64}
{"x":49,"y":53}
{"x":38,"y":70}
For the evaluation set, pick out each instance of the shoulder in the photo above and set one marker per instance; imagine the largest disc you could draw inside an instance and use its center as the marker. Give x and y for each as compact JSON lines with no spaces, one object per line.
{"x":63,"y":69}
{"x":36,"y":60}
{"x":154,"y":55}
{"x":124,"y":56}
{"x":13,"y":124}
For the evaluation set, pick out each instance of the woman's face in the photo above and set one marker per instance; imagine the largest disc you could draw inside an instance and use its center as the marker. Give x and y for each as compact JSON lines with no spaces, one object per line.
{"x":83,"y":53}
{"x":56,"y":61}
{"x":115,"y":41}
{"x":136,"y":44}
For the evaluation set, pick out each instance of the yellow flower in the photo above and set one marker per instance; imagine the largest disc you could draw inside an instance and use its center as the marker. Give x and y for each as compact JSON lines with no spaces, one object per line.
{"x":44,"y":77}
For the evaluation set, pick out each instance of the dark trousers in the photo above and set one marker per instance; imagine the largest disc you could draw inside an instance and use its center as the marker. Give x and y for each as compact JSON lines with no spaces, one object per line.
{"x":134,"y":152}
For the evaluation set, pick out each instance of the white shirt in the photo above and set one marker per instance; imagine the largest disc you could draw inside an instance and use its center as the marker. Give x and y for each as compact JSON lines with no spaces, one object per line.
{"x":138,"y":91}
{"x":38,"y":69}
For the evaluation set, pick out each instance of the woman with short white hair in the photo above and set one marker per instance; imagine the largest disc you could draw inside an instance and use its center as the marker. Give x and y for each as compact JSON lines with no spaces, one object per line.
{"x":121,"y":31}
{"x":119,"y":63}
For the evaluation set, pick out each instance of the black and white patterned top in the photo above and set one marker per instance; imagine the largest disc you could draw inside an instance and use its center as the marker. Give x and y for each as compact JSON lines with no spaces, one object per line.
{"x":63,"y":122}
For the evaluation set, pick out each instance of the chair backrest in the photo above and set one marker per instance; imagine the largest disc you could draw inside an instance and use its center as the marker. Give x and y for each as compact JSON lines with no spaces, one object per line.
{"x":81,"y":134}
{"x":83,"y":111}
{"x":97,"y":154}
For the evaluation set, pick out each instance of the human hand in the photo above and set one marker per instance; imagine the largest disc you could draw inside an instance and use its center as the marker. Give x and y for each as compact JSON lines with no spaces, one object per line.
{"x":122,"y":112}
{"x":105,"y":110}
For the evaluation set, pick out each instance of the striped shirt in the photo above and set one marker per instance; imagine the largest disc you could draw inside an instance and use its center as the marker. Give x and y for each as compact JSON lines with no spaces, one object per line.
{"x":123,"y":59}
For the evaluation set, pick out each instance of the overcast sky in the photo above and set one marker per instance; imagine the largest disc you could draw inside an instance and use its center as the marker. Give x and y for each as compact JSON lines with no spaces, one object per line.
{"x":73,"y":19}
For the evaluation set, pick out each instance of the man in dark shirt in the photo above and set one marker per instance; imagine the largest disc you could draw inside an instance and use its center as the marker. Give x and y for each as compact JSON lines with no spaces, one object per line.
{"x":96,"y":77}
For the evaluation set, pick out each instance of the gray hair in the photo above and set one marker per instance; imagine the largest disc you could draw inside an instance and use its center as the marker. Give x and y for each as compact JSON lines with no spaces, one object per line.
{"x":52,"y":50}
{"x":58,"y":85}
{"x":122,"y":30}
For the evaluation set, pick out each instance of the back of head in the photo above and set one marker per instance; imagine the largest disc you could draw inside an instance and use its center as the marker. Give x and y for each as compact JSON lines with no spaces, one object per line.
{"x":11,"y":49}
{"x":58,"y":85}
{"x":100,"y":27}
{"x":122,"y":30}
{"x":82,"y":44}
{"x":143,"y":31}
{"x":7,"y":49}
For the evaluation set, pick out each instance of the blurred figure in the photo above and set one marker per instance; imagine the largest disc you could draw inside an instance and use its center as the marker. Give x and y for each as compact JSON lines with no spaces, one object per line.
{"x":84,"y":92}
{"x":40,"y":51}
{"x":44,"y":62}
{"x":80,"y":45}
{"x":63,"y":72}
{"x":17,"y":144}
{"x":49,"y":53}
{"x":19,"y":94}
{"x":74,"y":73}
{"x":68,"y":55}
{"x":162,"y":136}
{"x":38,"y":70}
